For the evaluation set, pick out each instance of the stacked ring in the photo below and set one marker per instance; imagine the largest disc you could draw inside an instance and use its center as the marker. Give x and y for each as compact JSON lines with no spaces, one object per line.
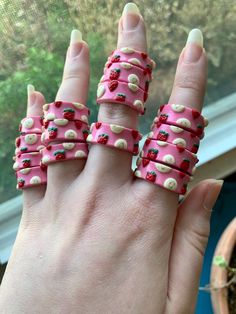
{"x":116,"y":136}
{"x":126,"y":78}
{"x":29,"y":171}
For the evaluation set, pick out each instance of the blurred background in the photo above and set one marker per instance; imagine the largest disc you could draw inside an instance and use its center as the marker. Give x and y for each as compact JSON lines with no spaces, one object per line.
{"x":34,"y":36}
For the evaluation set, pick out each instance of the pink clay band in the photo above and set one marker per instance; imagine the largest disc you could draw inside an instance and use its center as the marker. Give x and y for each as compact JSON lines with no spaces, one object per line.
{"x":164,"y":176}
{"x":122,"y":93}
{"x":27,"y":160}
{"x":187,"y":118}
{"x":29,"y":177}
{"x":127,"y":73}
{"x":64,"y":130}
{"x":32,"y":124}
{"x":170,"y":154}
{"x":117,"y":136}
{"x":28,"y":143}
{"x":175,"y":135}
{"x":132,"y":56}
{"x":64,"y":151}
{"x":66,"y":110}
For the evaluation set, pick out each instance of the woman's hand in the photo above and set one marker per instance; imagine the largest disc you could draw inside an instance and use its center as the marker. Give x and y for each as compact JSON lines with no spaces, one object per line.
{"x":96,"y":240}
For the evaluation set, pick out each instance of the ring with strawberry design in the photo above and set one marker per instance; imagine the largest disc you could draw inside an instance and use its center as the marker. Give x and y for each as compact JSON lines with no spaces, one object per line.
{"x":116,"y":136}
{"x":187,"y":118}
{"x":27,"y":160}
{"x":65,"y":110}
{"x":134,"y":57}
{"x":32,"y":124}
{"x":64,"y":151}
{"x":128,"y":73}
{"x":64,"y":130}
{"x":175,"y":135}
{"x":122,"y":93}
{"x":28,"y":143}
{"x":29,"y":177}
{"x":174,"y":156}
{"x":162,"y":175}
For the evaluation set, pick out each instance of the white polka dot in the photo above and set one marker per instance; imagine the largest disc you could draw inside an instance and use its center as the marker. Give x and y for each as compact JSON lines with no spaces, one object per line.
{"x":116,"y":128}
{"x":133,"y":87}
{"x":162,"y":168}
{"x":40,"y":147}
{"x":78,"y":105}
{"x":177,"y":108}
{"x":206,"y":122}
{"x":71,"y":134}
{"x":61,"y":122}
{"x":103,"y":76}
{"x":170,"y":184}
{"x":80,"y":154}
{"x":68,"y":146}
{"x":16,"y":165}
{"x":84,"y":118}
{"x":176,"y":129}
{"x":138,"y":174}
{"x":28,"y":123}
{"x":139,"y":104}
{"x":134,"y":61}
{"x":121,"y":143}
{"x":150,"y":134}
{"x":31,"y":139}
{"x":184,"y":122}
{"x":161,"y":143}
{"x":126,"y":65}
{"x":170,"y":159}
{"x":43,"y":137}
{"x":89,"y":138}
{"x":180,"y":142}
{"x":50,"y":116}
{"x":138,"y":161}
{"x":35,"y":180}
{"x":100,"y":91}
{"x":133,"y":78}
{"x":127,"y":50}
{"x":25,"y":170}
{"x":45,"y":159}
{"x":46,"y":107}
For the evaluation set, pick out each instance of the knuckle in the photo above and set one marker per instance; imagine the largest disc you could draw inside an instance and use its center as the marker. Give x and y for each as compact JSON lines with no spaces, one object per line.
{"x":189,"y":82}
{"x":198,"y":239}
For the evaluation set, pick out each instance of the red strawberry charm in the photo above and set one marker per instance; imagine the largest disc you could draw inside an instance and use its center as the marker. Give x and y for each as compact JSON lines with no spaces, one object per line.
{"x":149,"y":69}
{"x":26,"y":163}
{"x":85,"y":134}
{"x":78,"y":124}
{"x":17,"y":142}
{"x":148,"y":141}
{"x":195,"y":113}
{"x":46,"y":123}
{"x":145,"y":162}
{"x":144,"y":55}
{"x":135,"y":134}
{"x":41,"y":120}
{"x":199,"y":129}
{"x":69,"y":114}
{"x":43,"y":166}
{"x":163,"y":118}
{"x":114,"y":74}
{"x":146,"y":86}
{"x":162,"y":107}
{"x":115,"y":58}
{"x":58,"y":104}
{"x":120,"y":97}
{"x":182,"y":175}
{"x":145,"y":72}
{"x":52,"y":132}
{"x":103,"y":138}
{"x":193,"y":135}
{"x":49,"y":147}
{"x":185,"y":164}
{"x":136,"y":148}
{"x":184,"y":189}
{"x":158,"y":124}
{"x":145,"y":96}
{"x":181,"y":149}
{"x":98,"y":125}
{"x":59,"y":154}
{"x":112,"y":85}
{"x":162,"y":136}
{"x":194,"y":149}
{"x":151,"y":176}
{"x":20,"y":182}
{"x":109,"y":64}
{"x":152,"y":153}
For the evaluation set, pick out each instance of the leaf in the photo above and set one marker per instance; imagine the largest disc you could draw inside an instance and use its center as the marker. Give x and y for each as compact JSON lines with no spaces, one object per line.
{"x":220,"y":261}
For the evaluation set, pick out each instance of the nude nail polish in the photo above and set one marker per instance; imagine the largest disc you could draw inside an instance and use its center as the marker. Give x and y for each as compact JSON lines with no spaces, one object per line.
{"x":75,"y":43}
{"x":193,"y":49}
{"x":131,"y":16}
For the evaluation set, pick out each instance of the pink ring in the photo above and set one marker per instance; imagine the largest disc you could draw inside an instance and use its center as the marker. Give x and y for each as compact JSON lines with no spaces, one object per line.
{"x":64,"y":130}
{"x":169,"y":154}
{"x":29,"y":177}
{"x":187,"y":118}
{"x":175,"y":135}
{"x":122,"y":93}
{"x":28,"y":143}
{"x":132,"y":56}
{"x":32,"y":124}
{"x":116,"y":136}
{"x":64,"y":151}
{"x":164,"y":176}
{"x":27,"y":160}
{"x":126,"y":73}
{"x":66,"y":110}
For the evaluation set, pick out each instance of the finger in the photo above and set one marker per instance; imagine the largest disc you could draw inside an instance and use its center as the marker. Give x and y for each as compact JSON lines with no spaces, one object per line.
{"x":188,"y":89}
{"x":188,"y":246}
{"x":131,"y":33}
{"x":34,"y":108}
{"x":74,"y":88}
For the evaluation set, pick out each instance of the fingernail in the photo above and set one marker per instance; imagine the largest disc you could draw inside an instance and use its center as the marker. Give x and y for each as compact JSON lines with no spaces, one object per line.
{"x":130,"y":16}
{"x":75,"y":43}
{"x":212,"y":195}
{"x":30,"y":92}
{"x":193,"y":49}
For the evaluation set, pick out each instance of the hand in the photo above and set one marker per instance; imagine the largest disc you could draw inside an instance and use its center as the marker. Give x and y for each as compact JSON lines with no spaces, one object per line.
{"x":96,"y":240}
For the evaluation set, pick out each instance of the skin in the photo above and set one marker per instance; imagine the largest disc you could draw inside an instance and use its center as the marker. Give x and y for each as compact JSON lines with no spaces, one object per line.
{"x":96,"y":240}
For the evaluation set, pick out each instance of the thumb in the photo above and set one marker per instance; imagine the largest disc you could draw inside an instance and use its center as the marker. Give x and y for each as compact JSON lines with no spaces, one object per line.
{"x":190,"y":238}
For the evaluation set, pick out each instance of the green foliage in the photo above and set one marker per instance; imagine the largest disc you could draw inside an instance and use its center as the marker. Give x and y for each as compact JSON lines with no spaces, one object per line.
{"x":220,"y":261}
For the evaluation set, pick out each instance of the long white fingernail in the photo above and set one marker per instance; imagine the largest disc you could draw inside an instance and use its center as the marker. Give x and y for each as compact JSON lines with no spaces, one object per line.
{"x":30,"y":89}
{"x":131,"y":8}
{"x":195,"y":36}
{"x":75,"y":36}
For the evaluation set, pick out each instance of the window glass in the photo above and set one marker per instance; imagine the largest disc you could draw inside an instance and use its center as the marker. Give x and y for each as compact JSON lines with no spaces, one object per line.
{"x":34,"y":36}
